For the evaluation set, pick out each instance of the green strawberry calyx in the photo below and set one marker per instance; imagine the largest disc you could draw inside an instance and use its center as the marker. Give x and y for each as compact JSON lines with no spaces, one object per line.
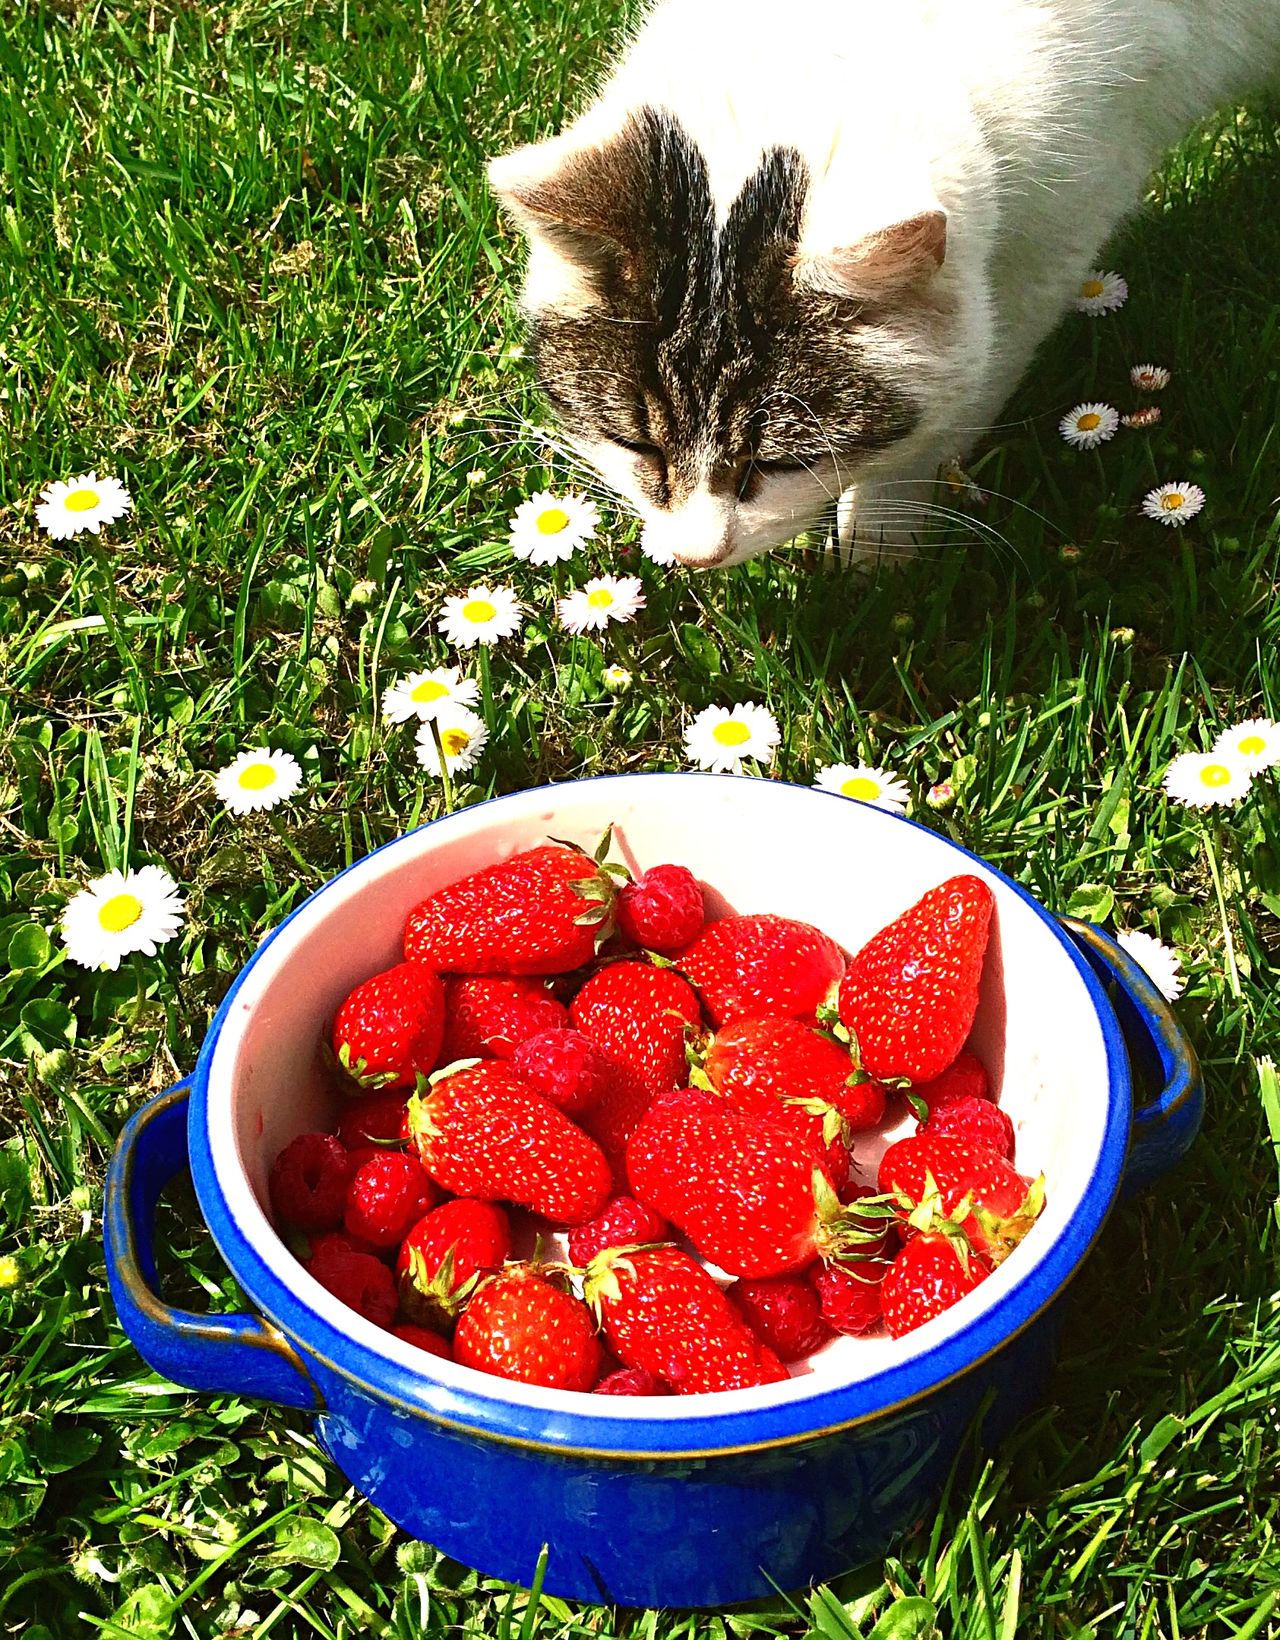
{"x":851,"y":1232}
{"x":599,"y":886}
{"x":351,"y":1071}
{"x":434,"y":1298}
{"x":600,"y":1284}
{"x":1002,"y":1233}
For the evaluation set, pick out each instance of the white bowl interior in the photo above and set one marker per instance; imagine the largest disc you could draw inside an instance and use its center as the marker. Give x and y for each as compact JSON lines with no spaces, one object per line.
{"x":759,"y":846}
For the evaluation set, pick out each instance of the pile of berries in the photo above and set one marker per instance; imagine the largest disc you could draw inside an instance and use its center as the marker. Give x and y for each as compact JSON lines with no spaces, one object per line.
{"x":568,"y":1050}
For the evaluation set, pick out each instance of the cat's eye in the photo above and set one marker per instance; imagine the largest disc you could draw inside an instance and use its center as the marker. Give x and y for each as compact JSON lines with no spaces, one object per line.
{"x":638,"y":447}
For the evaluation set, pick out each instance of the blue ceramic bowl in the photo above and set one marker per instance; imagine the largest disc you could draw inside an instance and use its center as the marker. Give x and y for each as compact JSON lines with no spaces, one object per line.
{"x":680,"y":1501}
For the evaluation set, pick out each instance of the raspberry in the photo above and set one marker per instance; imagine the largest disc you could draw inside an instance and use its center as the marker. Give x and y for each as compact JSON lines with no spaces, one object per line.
{"x":308,"y":1182}
{"x":330,"y":1240}
{"x":487,"y":1016}
{"x":783,"y":1312}
{"x":374,"y":1119}
{"x":386,"y":1195}
{"x":359,"y":1280}
{"x":976,"y":1119}
{"x":624,"y":1222}
{"x":564,"y":1067}
{"x":850,"y":1294}
{"x":662,"y":909}
{"x":424,"y":1338}
{"x":630,"y":1381}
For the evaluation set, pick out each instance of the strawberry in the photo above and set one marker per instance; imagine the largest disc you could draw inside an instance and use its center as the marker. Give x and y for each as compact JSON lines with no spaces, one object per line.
{"x":374,"y":1119}
{"x":955,"y":1177}
{"x":611,"y":1122}
{"x":630,"y":1381}
{"x":488,"y":1016}
{"x":624,"y":1223}
{"x":755,"y":1199}
{"x":565,"y":1067}
{"x":977,"y":1120}
{"x":481,"y":1132}
{"x":964,"y":1078}
{"x":540,"y":912}
{"x":359,"y":1279}
{"x":386,"y":1195}
{"x":663,"y":1313}
{"x":661,"y":909}
{"x":424,"y":1339}
{"x":639,"y":1014}
{"x":388,"y":1029}
{"x":520,"y":1325}
{"x":849,"y":1294}
{"x":308,"y":1182}
{"x":445,"y":1254}
{"x":783,"y":1312}
{"x":761,"y":964}
{"x":928,"y":1276}
{"x":910,"y":994}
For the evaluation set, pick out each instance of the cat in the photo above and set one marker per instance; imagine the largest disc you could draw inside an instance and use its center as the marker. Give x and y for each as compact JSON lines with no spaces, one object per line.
{"x":801,"y":249}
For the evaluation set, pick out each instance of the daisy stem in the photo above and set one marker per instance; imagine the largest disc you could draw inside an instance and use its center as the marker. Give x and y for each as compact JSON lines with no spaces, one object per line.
{"x":1229,"y":949}
{"x":486,"y":692}
{"x":445,"y":782}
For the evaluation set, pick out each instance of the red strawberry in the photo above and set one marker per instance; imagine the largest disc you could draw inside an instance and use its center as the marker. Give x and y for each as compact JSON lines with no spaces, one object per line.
{"x":964,"y":1078}
{"x":540,"y":912}
{"x":308,"y":1182}
{"x":910,"y":994}
{"x":386,"y":1195}
{"x":761,"y":964}
{"x":358,"y":1279}
{"x":488,"y":1016}
{"x":638,"y":1014}
{"x":1002,"y":1205}
{"x":445,"y":1253}
{"x":374,"y":1119}
{"x":630,"y":1381}
{"x":850,"y":1294}
{"x":618,"y":1114}
{"x":388,"y":1030}
{"x":625,"y":1222}
{"x":661,"y":909}
{"x":519,"y":1325}
{"x":565,"y":1067}
{"x":783,"y":1312}
{"x":424,"y":1338}
{"x":481,"y":1132}
{"x":977,"y":1120}
{"x":747,"y":1194}
{"x":663,"y":1313}
{"x":928,"y":1276}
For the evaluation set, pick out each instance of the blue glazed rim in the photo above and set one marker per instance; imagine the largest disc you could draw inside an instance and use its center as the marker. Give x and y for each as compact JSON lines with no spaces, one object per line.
{"x":557,"y":1430}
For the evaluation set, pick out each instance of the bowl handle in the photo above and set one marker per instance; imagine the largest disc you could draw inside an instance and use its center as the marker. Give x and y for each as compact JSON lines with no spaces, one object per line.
{"x":240,"y":1354}
{"x":1168,"y":1094}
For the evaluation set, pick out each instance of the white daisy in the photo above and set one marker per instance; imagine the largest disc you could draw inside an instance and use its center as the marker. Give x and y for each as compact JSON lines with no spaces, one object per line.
{"x":875,"y":786}
{"x":721,"y":737}
{"x":1146,"y":415}
{"x":258,"y":779}
{"x":84,"y":503}
{"x":1160,"y":962}
{"x":616,"y":678}
{"x":426,"y":694}
{"x":548,"y":528}
{"x":120,"y":913}
{"x":590,"y":608}
{"x":1173,"y":503}
{"x":1255,"y":743}
{"x":1089,"y":425}
{"x":463,"y":736}
{"x":1206,"y":779}
{"x":1101,"y":293}
{"x":481,"y":615}
{"x":1149,"y":378}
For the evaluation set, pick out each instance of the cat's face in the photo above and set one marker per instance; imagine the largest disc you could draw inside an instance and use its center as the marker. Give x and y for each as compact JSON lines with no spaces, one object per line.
{"x":725,"y":380}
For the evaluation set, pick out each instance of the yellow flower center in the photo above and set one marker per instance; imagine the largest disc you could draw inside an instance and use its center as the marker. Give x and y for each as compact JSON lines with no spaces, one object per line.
{"x":1173,"y":501}
{"x":731,"y":733}
{"x":256,"y":777}
{"x":454,"y":741}
{"x":121,"y":911}
{"x":1092,"y":288}
{"x":1089,"y":421}
{"x":601,"y":598}
{"x":1215,"y":774}
{"x":1251,"y":745}
{"x":81,"y":500}
{"x":552,"y":520}
{"x":428,"y":689}
{"x":478,"y":610}
{"x":861,"y":785}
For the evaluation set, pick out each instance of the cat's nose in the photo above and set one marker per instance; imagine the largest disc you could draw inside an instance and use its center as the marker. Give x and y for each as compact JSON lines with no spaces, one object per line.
{"x":698,"y":533}
{"x":710,"y":556}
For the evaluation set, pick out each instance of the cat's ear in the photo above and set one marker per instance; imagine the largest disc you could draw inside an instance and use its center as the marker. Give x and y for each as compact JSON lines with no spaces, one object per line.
{"x":879,"y":266}
{"x":570,"y":198}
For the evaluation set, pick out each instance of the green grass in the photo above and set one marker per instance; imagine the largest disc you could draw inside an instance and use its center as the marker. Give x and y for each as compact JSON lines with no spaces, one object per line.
{"x":248,"y":264}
